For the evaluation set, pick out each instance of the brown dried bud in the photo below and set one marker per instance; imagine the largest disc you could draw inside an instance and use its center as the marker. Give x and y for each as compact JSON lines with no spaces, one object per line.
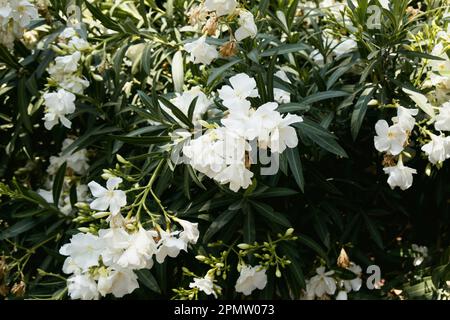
{"x":388,"y":160}
{"x":210,"y":27}
{"x":412,"y":12}
{"x":4,"y":290}
{"x":228,"y":49}
{"x":3,"y":267}
{"x":248,"y":162}
{"x":343,"y":261}
{"x":18,"y":289}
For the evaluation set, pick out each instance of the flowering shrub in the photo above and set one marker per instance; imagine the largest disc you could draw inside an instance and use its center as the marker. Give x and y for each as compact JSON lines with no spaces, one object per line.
{"x":224,"y":149}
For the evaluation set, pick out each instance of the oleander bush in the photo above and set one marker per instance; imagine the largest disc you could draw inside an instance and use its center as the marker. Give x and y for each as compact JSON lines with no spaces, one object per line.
{"x":224,"y":149}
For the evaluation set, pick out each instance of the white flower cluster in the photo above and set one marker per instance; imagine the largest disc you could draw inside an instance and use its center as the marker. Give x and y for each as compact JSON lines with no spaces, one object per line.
{"x":325,"y":284}
{"x":208,"y":15}
{"x":436,"y":106}
{"x":76,"y":164}
{"x":250,"y":278}
{"x":15,"y":16}
{"x":392,"y":140}
{"x":221,"y":153}
{"x":65,"y":74}
{"x":103,"y":263}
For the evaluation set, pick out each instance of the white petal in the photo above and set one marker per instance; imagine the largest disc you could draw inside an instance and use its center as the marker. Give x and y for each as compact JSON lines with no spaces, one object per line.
{"x":112,"y":183}
{"x":96,"y":189}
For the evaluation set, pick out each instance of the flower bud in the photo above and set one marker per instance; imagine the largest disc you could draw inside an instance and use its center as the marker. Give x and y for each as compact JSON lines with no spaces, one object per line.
{"x":244,"y":246}
{"x":289,"y":232}
{"x":229,"y":49}
{"x":278,"y":273}
{"x":18,"y":289}
{"x":343,"y":261}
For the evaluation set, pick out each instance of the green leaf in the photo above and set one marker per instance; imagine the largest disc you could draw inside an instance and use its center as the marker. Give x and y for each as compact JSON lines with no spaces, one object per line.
{"x":192,"y":108}
{"x":215,"y":73}
{"x":22,"y":103}
{"x":177,"y":112}
{"x":320,"y":96}
{"x":249,"y":224}
{"x":147,"y":279}
{"x":105,"y":20}
{"x":339,"y":73}
{"x":146,"y":140}
{"x":270,"y":73}
{"x":283,"y":49}
{"x":373,"y":231}
{"x":268,"y":212}
{"x":58,"y":183}
{"x":293,"y":107}
{"x":7,"y":58}
{"x":360,"y":111}
{"x":21,"y":227}
{"x":321,"y":137}
{"x":221,"y":221}
{"x":147,"y":59}
{"x":307,"y":241}
{"x":421,"y":55}
{"x":273,"y":193}
{"x":295,"y":164}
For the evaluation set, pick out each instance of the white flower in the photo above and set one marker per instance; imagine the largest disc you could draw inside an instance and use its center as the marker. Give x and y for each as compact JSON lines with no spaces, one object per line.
{"x":65,"y":65}
{"x":23,"y":12}
{"x":317,"y":57}
{"x":169,"y":245}
{"x":119,"y":282}
{"x":385,"y":4}
{"x":280,"y":95}
{"x":184,"y":100}
{"x":344,"y":47}
{"x":405,"y":118}
{"x":140,"y":250}
{"x":58,"y":105}
{"x":76,"y":160}
{"x":443,"y":118}
{"x":400,"y":176}
{"x":77,"y":43}
{"x":438,"y":149}
{"x":203,"y":155}
{"x":73,"y":83}
{"x":221,"y":7}
{"x":190,"y":231}
{"x":116,"y":241}
{"x":389,"y":138}
{"x":82,"y":286}
{"x":197,"y":14}
{"x":65,"y":205}
{"x":108,"y":197}
{"x":84,"y":249}
{"x":200,"y":51}
{"x":251,"y":278}
{"x":67,"y":33}
{"x":235,"y":96}
{"x":247,"y":26}
{"x":342,"y":295}
{"x":237,"y":175}
{"x":70,"y":266}
{"x":321,"y":284}
{"x":354,"y":284}
{"x":205,"y":284}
